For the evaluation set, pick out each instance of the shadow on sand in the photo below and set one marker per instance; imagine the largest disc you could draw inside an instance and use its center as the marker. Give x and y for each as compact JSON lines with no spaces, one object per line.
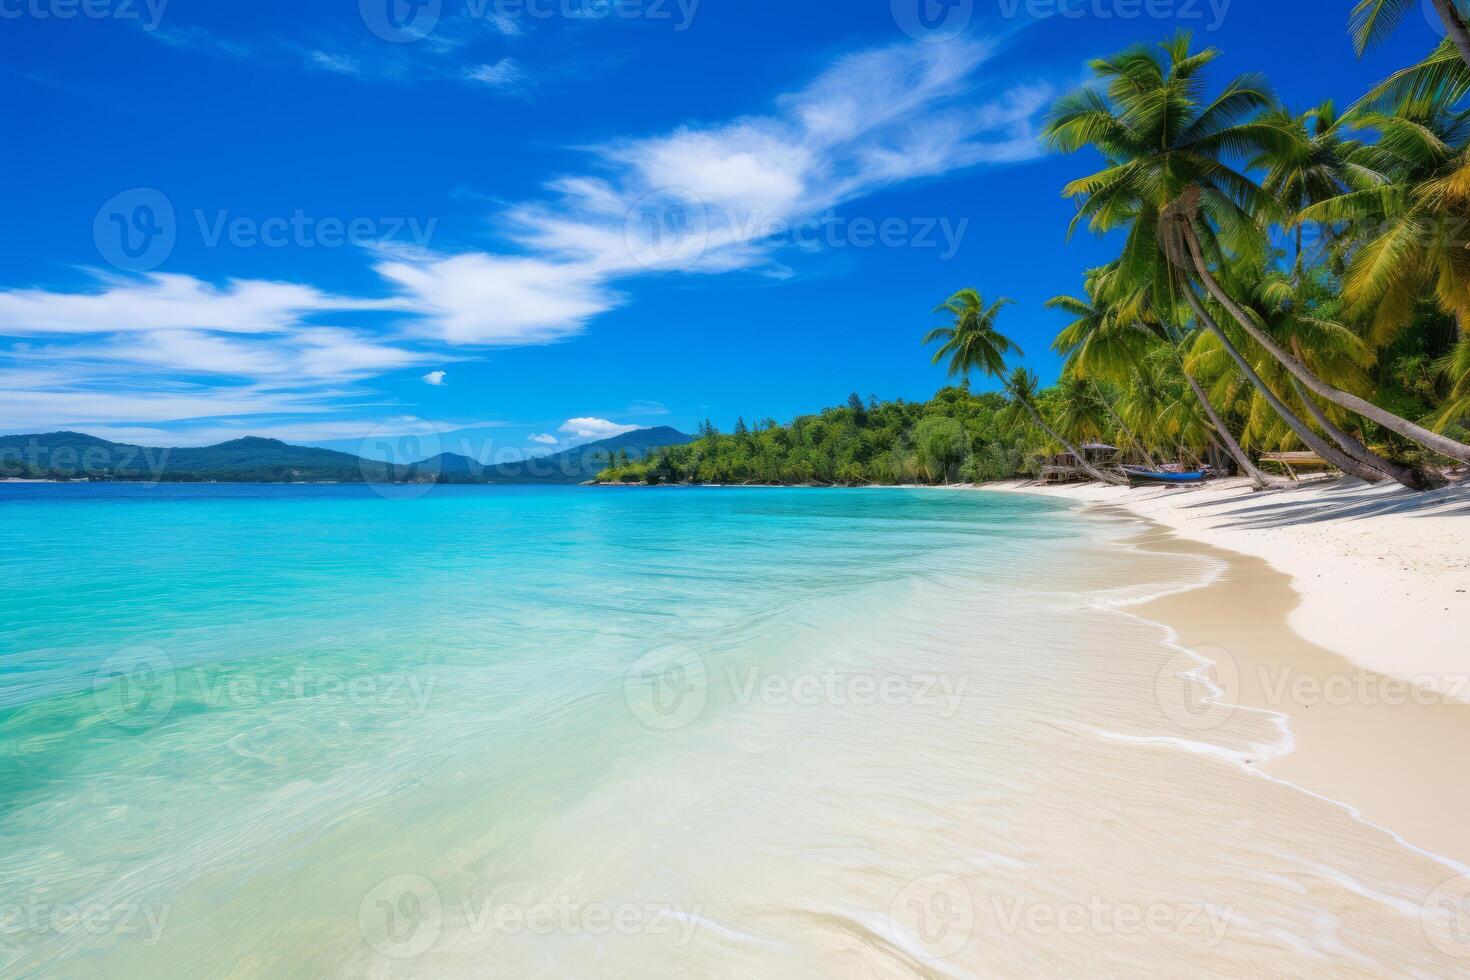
{"x":1334,"y":500}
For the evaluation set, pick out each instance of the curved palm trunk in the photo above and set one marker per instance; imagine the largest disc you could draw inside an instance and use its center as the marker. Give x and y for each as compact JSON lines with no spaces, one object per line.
{"x":1303,"y":431}
{"x":1455,"y":26}
{"x":1403,"y":474}
{"x":1409,"y":430}
{"x":1258,"y":477}
{"x":1091,"y":470}
{"x":1123,"y":426}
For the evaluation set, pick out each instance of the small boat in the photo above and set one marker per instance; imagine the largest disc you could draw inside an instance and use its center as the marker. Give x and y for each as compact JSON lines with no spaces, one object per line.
{"x":1138,"y":476}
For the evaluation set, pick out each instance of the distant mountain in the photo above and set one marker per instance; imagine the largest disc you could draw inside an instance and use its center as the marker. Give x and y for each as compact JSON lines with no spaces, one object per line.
{"x":73,"y":455}
{"x":573,"y":466}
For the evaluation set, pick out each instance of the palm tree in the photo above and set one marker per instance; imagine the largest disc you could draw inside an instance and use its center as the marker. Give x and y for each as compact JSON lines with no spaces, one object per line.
{"x":1442,"y":77}
{"x":973,"y":342}
{"x":1456,"y":366}
{"x":1416,"y":205}
{"x":1337,"y":457}
{"x":1373,"y":20}
{"x":1168,"y":181}
{"x":1313,"y":163}
{"x":1287,"y":309}
{"x":1188,"y":244}
{"x":1113,"y":338}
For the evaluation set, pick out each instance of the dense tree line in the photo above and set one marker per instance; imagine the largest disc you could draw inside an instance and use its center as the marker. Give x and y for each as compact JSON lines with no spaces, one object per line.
{"x":1284,"y":280}
{"x":957,"y":436}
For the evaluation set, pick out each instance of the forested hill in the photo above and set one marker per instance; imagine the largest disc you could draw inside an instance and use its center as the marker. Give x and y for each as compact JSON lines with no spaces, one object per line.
{"x":955,"y":436}
{"x":75,"y":456}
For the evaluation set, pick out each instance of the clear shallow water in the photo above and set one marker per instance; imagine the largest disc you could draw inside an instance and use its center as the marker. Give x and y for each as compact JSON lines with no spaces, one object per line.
{"x":267,"y":731}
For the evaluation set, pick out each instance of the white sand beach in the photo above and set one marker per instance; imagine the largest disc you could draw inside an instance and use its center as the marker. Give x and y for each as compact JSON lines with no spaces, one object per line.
{"x":1383,"y":573}
{"x":1373,"y":674}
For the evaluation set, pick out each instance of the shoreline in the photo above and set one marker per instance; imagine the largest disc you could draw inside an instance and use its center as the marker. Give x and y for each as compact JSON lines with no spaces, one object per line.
{"x":1289,"y":629}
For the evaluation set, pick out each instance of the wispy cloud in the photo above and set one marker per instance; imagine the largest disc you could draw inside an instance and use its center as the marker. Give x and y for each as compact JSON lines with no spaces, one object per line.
{"x":694,"y":201}
{"x":339,"y":63}
{"x":702,"y":199}
{"x":593,"y":428}
{"x":505,"y":74}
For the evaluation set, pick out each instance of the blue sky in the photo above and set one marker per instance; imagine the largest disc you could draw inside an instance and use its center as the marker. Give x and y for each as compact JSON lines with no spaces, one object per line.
{"x":513,"y":225}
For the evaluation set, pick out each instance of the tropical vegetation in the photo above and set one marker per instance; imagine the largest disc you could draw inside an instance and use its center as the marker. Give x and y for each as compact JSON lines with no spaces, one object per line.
{"x":1283,"y":280}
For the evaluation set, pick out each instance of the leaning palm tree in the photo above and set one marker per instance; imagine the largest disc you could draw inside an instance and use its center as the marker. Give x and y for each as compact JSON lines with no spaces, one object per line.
{"x":1373,"y":20}
{"x":1112,"y":335}
{"x":1168,"y":179}
{"x":972,"y":342}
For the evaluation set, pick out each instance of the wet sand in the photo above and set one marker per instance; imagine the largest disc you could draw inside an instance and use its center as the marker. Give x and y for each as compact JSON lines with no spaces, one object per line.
{"x":1375,"y":743}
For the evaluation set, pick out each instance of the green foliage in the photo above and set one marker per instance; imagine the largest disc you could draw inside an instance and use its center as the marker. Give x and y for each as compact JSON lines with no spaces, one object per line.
{"x":957,"y":435}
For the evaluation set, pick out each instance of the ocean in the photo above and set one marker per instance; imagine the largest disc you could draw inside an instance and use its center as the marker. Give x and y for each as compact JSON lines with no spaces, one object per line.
{"x":267,"y":731}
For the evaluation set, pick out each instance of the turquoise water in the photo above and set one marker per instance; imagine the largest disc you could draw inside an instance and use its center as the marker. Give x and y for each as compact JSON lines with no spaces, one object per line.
{"x":496,"y":732}
{"x":213,"y":692}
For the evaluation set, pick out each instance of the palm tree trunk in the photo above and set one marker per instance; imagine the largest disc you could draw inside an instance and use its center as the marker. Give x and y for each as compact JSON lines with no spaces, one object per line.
{"x":1408,"y":476}
{"x":1303,"y":431}
{"x":1091,"y":470}
{"x":1124,"y":427}
{"x":1409,"y":430}
{"x":1257,"y":476}
{"x":1455,"y":25}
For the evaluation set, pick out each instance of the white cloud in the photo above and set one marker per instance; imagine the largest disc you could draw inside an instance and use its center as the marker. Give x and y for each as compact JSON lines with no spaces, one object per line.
{"x":495,"y":300}
{"x":339,"y":63}
{"x":646,"y":408}
{"x":591,"y":428}
{"x":706,"y":199}
{"x":696,"y":200}
{"x":505,"y":73}
{"x":545,"y":440}
{"x":170,"y":302}
{"x":435,"y":378}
